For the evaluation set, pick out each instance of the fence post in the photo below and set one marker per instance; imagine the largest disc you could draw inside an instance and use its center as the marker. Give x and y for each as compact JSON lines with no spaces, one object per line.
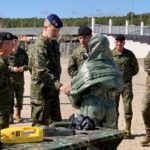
{"x":142,"y":27}
{"x":127,"y":27}
{"x":110,"y":26}
{"x":93,"y":24}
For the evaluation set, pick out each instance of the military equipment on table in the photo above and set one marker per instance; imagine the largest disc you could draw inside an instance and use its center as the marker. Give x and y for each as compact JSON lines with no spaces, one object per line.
{"x":60,"y":136}
{"x":58,"y":129}
{"x":67,"y":128}
{"x":21,"y":134}
{"x":105,"y":139}
{"x":25,"y":134}
{"x":81,"y":122}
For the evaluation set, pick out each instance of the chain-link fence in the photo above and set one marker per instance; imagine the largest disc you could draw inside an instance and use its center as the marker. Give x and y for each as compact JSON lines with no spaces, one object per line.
{"x":132,"y":30}
{"x":67,"y":48}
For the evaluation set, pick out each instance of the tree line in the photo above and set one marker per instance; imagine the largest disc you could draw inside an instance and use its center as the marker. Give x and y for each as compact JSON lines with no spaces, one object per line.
{"x":134,"y":19}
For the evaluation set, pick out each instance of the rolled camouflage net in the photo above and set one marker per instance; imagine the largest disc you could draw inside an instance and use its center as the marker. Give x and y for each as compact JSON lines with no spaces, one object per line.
{"x":99,"y":69}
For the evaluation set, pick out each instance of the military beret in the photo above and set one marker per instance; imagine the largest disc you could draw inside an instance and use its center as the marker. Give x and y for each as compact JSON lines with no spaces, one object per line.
{"x":15,"y":37}
{"x":55,"y":20}
{"x":6,"y":36}
{"x":120,"y":37}
{"x":84,"y":30}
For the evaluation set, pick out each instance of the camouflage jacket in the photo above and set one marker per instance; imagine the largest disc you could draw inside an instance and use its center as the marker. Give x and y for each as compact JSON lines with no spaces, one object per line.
{"x":127,"y":63}
{"x":18,"y":59}
{"x":5,"y":101}
{"x":147,"y":67}
{"x":76,"y":60}
{"x":44,"y":61}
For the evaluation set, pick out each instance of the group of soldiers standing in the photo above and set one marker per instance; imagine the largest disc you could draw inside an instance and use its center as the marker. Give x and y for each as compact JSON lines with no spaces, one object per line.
{"x":15,"y":61}
{"x":99,"y":77}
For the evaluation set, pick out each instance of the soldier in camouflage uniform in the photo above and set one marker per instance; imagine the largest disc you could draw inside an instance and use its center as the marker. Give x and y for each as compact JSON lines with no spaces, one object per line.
{"x":44,"y":61}
{"x":18,"y":63}
{"x":146,"y":102}
{"x":128,"y":65}
{"x":7,"y":44}
{"x":80,"y":54}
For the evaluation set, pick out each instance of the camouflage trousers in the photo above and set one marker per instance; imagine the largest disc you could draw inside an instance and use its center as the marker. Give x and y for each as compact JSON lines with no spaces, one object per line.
{"x":127,"y":96}
{"x":46,"y":109}
{"x":4,"y":120}
{"x":146,"y":109}
{"x":17,"y":92}
{"x":101,"y":110}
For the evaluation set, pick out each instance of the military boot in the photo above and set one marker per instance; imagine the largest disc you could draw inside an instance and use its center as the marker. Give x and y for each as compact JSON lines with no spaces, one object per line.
{"x":127,"y":134}
{"x":127,"y":131}
{"x":18,"y":116}
{"x":146,"y":139}
{"x":11,"y":119}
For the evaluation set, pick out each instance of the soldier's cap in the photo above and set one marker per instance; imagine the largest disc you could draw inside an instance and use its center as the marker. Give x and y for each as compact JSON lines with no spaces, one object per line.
{"x":84,"y":30}
{"x":55,"y":20}
{"x":6,"y":36}
{"x":120,"y":37}
{"x":15,"y":37}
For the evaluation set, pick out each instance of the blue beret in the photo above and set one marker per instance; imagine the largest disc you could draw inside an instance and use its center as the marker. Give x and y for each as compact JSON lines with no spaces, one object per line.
{"x":6,"y":36}
{"x":84,"y":30}
{"x":120,"y":37}
{"x":55,"y":20}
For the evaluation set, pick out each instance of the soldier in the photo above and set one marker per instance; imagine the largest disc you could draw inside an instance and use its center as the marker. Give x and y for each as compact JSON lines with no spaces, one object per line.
{"x":146,"y":102}
{"x":80,"y":54}
{"x":44,"y":61}
{"x":7,"y":46}
{"x":128,"y":65}
{"x":17,"y":63}
{"x":93,"y":86}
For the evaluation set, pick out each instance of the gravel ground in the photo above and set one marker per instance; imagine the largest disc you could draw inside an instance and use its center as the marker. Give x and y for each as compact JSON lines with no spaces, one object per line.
{"x":137,"y":123}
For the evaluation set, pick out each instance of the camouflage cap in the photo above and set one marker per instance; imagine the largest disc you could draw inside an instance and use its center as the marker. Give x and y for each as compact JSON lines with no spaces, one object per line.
{"x":6,"y":36}
{"x":55,"y":20}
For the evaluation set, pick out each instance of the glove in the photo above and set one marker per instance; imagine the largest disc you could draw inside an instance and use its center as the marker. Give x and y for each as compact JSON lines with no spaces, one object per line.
{"x":81,"y":122}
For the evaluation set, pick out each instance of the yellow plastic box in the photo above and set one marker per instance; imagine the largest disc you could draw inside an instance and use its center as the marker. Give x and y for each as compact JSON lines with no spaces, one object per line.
{"x":21,"y":134}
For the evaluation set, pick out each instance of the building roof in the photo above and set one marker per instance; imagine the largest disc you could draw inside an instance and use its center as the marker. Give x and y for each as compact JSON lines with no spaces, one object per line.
{"x":36,"y":31}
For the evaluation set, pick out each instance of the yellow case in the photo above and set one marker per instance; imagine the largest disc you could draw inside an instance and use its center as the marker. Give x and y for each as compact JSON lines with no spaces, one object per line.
{"x":21,"y":134}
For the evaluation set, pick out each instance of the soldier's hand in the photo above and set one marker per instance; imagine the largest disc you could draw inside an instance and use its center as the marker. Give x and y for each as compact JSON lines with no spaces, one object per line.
{"x":15,"y":69}
{"x":21,"y":69}
{"x":65,"y":88}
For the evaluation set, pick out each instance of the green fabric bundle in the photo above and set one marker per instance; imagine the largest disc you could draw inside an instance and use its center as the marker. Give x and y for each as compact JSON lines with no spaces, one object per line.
{"x":99,"y":69}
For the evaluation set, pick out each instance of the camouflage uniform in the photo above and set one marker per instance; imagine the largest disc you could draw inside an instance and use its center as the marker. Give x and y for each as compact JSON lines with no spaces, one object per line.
{"x":44,"y":61}
{"x":17,"y":59}
{"x":76,"y":60}
{"x":128,"y":65}
{"x":5,"y":100}
{"x":146,"y":101}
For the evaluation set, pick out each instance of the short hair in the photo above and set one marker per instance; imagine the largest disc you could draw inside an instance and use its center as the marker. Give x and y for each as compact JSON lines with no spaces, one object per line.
{"x":46,"y":23}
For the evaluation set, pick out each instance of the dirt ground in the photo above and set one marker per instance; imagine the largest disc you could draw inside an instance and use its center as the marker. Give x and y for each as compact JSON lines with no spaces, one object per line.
{"x":66,"y":109}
